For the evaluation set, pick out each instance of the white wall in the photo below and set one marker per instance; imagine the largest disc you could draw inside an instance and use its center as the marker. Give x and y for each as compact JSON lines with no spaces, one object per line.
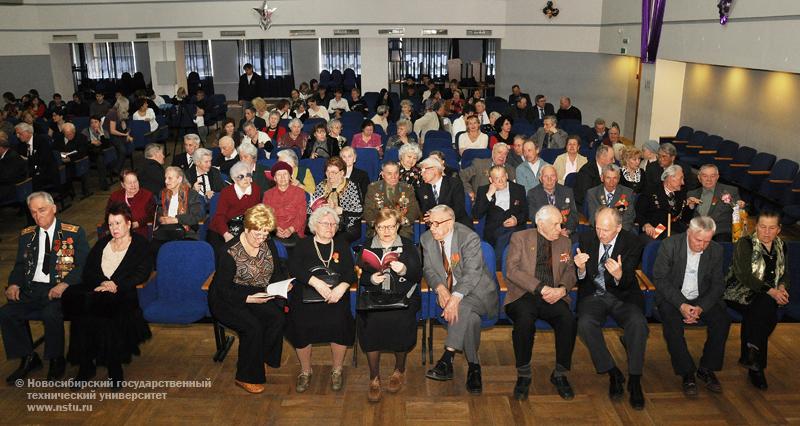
{"x":374,"y":64}
{"x":667,"y":99}
{"x":305,"y":60}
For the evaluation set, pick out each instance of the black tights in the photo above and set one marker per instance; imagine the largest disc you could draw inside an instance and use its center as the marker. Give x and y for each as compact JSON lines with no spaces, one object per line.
{"x":374,"y":360}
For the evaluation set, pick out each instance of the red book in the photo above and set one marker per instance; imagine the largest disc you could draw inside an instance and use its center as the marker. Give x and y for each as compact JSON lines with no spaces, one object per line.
{"x":319,"y":202}
{"x":371,"y":260}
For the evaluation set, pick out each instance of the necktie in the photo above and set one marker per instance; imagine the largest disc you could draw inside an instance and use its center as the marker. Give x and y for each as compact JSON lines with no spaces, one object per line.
{"x":600,"y":278}
{"x":541,"y":114}
{"x":202,"y":179}
{"x":435,"y":194}
{"x":551,"y":199}
{"x":546,"y":143}
{"x":390,"y":192}
{"x":46,"y":261}
{"x":609,"y":196}
{"x":446,"y":264}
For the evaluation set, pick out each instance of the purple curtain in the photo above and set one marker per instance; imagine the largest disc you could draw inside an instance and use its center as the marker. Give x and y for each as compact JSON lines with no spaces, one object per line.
{"x":651,"y":28}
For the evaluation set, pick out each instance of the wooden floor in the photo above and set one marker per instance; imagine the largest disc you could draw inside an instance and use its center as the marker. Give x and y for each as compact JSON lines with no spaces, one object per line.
{"x":184,"y":353}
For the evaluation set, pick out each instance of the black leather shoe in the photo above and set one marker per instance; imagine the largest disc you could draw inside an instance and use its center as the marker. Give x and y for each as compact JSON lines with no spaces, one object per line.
{"x":562,"y":386}
{"x":751,"y":360}
{"x":521,"y":388}
{"x":28,"y":365}
{"x":57,"y":368}
{"x":710,"y":379}
{"x":637,"y":396}
{"x":442,"y":371}
{"x":616,"y":380}
{"x":758,"y":379}
{"x":689,"y":385}
{"x":474,"y":382}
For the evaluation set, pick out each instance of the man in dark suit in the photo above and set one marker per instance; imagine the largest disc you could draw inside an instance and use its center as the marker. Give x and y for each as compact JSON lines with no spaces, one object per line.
{"x":37,"y":151}
{"x":477,"y":174}
{"x":715,"y":200}
{"x":503,"y":205}
{"x":190,"y":143}
{"x":550,"y":192}
{"x":589,"y":175}
{"x":73,"y":146}
{"x":521,"y":111}
{"x":250,"y":85}
{"x":251,"y":117}
{"x":440,"y":189}
{"x":151,"y":171}
{"x":689,"y":288}
{"x":542,"y":108}
{"x":50,"y":257}
{"x":540,"y":274}
{"x":599,"y":133}
{"x":203,"y":178}
{"x":567,"y":111}
{"x":227,"y":156}
{"x":12,"y":169}
{"x":664,"y":211}
{"x":607,"y":285}
{"x":666,"y":157}
{"x":516,"y":93}
{"x":612,"y":194}
{"x":455,"y":271}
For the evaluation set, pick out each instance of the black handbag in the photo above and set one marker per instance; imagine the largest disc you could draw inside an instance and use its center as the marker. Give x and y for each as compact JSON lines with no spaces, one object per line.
{"x":375,"y":298}
{"x":236,"y":225}
{"x":332,"y":279}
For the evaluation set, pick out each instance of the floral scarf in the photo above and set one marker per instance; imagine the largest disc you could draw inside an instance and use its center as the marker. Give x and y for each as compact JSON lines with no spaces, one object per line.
{"x":183,"y":200}
{"x":757,"y":260}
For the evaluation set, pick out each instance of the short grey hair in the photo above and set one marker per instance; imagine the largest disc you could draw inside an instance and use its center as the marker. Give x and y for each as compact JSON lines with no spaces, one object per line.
{"x":406,"y":102}
{"x":295,"y":122}
{"x":248,"y":125}
{"x":547,"y":212}
{"x":431,"y":162}
{"x":151,"y":149}
{"x":249,"y":149}
{"x":410,"y":148}
{"x":494,"y":115}
{"x":192,"y":138}
{"x":275,"y":113}
{"x":550,"y":118}
{"x":404,"y":123}
{"x":443,"y":208}
{"x":348,"y":148}
{"x":239,"y":168}
{"x":668,"y":148}
{"x":226,"y":139}
{"x":289,"y":156}
{"x":602,"y":150}
{"x":702,"y":223}
{"x":612,"y":168}
{"x":671,"y":171}
{"x":381,"y":109}
{"x":318,"y":214}
{"x":24,"y":127}
{"x":40,"y":194}
{"x":709,"y":166}
{"x":199,"y":153}
{"x":66,"y":126}
{"x":500,"y":145}
{"x":334,"y":122}
{"x":177,"y":170}
{"x":609,"y":211}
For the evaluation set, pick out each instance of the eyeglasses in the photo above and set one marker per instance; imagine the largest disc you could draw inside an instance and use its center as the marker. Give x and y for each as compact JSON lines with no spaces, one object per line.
{"x":386,"y":227}
{"x":435,"y":224}
{"x":246,"y":175}
{"x":327,"y":224}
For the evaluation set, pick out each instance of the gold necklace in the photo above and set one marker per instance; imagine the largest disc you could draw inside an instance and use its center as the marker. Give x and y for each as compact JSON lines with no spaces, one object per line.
{"x":319,"y":255}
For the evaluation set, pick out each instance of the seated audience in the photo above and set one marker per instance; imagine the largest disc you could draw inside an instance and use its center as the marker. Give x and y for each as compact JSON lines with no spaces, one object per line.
{"x":715,"y":200}
{"x":323,"y":322}
{"x":515,"y":154}
{"x":106,"y":323}
{"x":257,"y":138}
{"x":666,"y":157}
{"x":390,"y":330}
{"x":151,"y":172}
{"x":550,"y":192}
{"x":649,"y":153}
{"x":37,"y":152}
{"x":632,"y":175}
{"x":357,"y":103}
{"x":343,"y":196}
{"x":409,"y":154}
{"x":186,"y":160}
{"x":335,"y":133}
{"x":315,"y":110}
{"x":599,"y":133}
{"x":274,"y":130}
{"x":503,"y":204}
{"x":146,"y":114}
{"x":542,"y":108}
{"x":227,"y":223}
{"x":245,"y":266}
{"x":203,"y":178}
{"x":405,"y":135}
{"x":538,"y":288}
{"x":54,"y":128}
{"x":229,"y":130}
{"x":665,"y":211}
{"x":549,"y":135}
{"x":589,"y":174}
{"x":456,"y":103}
{"x":77,"y":107}
{"x":320,"y":145}
{"x":295,"y":138}
{"x":179,"y":211}
{"x":227,"y":156}
{"x":368,"y":138}
{"x":527,"y":173}
{"x":477,"y":174}
{"x":251,"y":118}
{"x":98,"y":141}
{"x":100,"y":106}
{"x":459,"y":125}
{"x":480,"y":112}
{"x":434,"y":119}
{"x":440,"y":189}
{"x":607,"y":286}
{"x":407,"y":111}
{"x":12,"y":169}
{"x":337,"y":106}
{"x":260,"y":105}
{"x":473,"y":138}
{"x":611,"y":194}
{"x":516,"y":93}
{"x":689,"y":289}
{"x":390,"y":192}
{"x":757,"y":287}
{"x":139,"y":201}
{"x":72,"y":146}
{"x":289,"y":203}
{"x":503,"y":134}
{"x":440,"y":157}
{"x":521,"y":110}
{"x":381,"y":117}
{"x":570,"y":161}
{"x":567,"y":111}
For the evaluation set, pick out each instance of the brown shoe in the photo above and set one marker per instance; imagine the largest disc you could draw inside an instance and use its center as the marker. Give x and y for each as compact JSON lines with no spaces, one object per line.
{"x":337,"y":379}
{"x":374,"y":394}
{"x":396,"y":381}
{"x":303,"y":381}
{"x":250,"y":387}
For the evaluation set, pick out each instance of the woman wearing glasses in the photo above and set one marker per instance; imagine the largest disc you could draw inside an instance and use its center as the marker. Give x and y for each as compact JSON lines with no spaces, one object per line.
{"x":392,"y":330}
{"x":343,"y":196}
{"x":245,"y":265}
{"x":228,"y":220}
{"x":328,"y":321}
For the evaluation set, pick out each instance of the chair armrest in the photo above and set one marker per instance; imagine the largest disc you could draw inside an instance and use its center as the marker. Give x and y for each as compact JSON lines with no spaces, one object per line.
{"x":694,"y":146}
{"x":501,"y":281}
{"x":675,"y":141}
{"x":795,"y":189}
{"x":739,"y":165}
{"x":644,"y":282}
{"x":207,"y":282}
{"x":780,"y":181}
{"x":723,"y":158}
{"x":149,"y":279}
{"x":708,"y":151}
{"x":758,"y":172}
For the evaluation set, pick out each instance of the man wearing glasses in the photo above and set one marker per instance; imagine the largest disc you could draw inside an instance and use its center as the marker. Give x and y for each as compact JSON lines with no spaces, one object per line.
{"x":465,"y":289}
{"x":439,"y":189}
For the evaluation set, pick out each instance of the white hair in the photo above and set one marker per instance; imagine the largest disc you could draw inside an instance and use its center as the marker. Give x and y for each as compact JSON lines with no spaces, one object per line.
{"x":40,"y":194}
{"x":193,"y":138}
{"x":670,"y":171}
{"x":410,"y":148}
{"x":702,"y":223}
{"x":443,"y":208}
{"x":318,"y":214}
{"x":199,"y":153}
{"x":239,"y":168}
{"x":547,"y":212}
{"x":248,"y":149}
{"x":289,"y":156}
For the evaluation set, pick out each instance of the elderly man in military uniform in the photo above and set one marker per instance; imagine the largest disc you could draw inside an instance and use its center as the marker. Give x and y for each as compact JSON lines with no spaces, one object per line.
{"x":390,"y":192}
{"x":50,"y":257}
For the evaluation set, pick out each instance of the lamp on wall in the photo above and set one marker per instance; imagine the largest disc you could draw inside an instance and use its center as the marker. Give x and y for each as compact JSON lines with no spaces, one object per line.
{"x":724,"y":7}
{"x":549,"y":10}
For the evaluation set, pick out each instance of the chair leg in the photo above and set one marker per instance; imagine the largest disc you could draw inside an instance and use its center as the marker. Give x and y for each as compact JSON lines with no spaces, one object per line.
{"x":430,"y":341}
{"x":355,"y":350}
{"x":223,"y":342}
{"x":424,"y":340}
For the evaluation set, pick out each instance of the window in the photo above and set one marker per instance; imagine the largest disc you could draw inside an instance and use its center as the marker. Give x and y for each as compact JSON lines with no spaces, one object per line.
{"x":340,"y":54}
{"x":269,"y":57}
{"x":421,"y":55}
{"x":198,"y":58}
{"x":490,"y":55}
{"x":105,"y":60}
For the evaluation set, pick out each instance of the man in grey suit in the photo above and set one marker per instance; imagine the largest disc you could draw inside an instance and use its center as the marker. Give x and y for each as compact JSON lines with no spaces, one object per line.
{"x":715,"y":200}
{"x":549,"y":135}
{"x":550,"y":192}
{"x":689,"y":287}
{"x":612,"y":194}
{"x":456,"y":272}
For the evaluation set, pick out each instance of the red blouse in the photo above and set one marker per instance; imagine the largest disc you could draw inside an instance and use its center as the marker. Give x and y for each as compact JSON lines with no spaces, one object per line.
{"x":289,"y":207}
{"x":143,"y":207}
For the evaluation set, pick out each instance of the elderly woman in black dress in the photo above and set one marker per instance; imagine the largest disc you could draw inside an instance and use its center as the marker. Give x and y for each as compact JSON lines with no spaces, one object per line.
{"x":245,"y":266}
{"x":390,"y":330}
{"x":757,"y":287}
{"x":107,"y":325}
{"x":329,"y":321}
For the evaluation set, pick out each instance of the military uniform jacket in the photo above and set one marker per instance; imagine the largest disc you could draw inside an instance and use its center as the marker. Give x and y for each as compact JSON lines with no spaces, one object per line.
{"x":69,"y":251}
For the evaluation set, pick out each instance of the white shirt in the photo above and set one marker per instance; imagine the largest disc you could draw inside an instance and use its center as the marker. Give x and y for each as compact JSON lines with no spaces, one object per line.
{"x":241,"y":193}
{"x":502,"y":198}
{"x":319,"y":113}
{"x":189,"y":160}
{"x":148,"y":116}
{"x":570,"y":166}
{"x":158,"y":100}
{"x":535,"y":166}
{"x":465,"y":143}
{"x":172,"y":211}
{"x":38,"y":275}
{"x":484,"y":118}
{"x":599,"y":169}
{"x":263,"y":138}
{"x":600,"y":251}
{"x":690,"y":288}
{"x":199,"y":121}
{"x":459,"y":125}
{"x":249,"y":77}
{"x":333,"y":105}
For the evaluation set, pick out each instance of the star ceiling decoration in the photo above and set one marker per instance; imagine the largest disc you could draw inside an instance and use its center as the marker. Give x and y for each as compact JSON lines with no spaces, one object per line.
{"x":265,"y":15}
{"x":724,"y":7}
{"x":550,"y":11}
